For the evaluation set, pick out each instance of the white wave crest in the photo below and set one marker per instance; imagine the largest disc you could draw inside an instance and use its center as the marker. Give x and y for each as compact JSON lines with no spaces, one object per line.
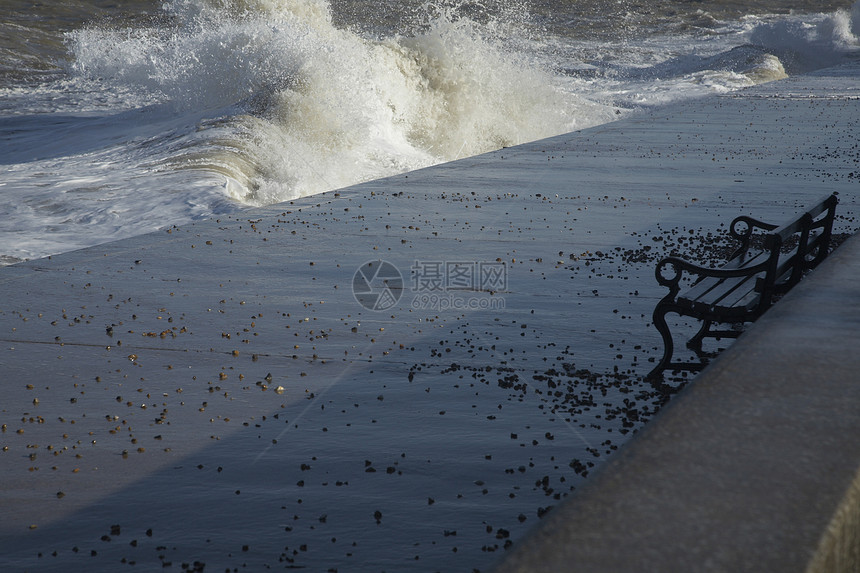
{"x":329,"y":107}
{"x":804,"y":44}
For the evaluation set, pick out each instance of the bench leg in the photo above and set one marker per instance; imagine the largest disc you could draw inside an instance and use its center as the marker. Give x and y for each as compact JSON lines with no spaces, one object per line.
{"x":659,"y":320}
{"x":695,"y":343}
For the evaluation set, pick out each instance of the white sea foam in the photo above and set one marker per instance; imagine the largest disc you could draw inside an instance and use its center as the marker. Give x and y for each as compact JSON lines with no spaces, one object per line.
{"x":224,"y":104}
{"x":805,"y":44}
{"x":318,"y":107}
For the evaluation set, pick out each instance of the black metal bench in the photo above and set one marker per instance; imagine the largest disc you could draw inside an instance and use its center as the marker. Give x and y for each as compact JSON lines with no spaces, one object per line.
{"x":745,"y":286}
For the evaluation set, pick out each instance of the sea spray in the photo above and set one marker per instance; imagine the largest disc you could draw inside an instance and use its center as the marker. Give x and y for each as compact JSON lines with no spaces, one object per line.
{"x":804,"y":46}
{"x":316,"y":107}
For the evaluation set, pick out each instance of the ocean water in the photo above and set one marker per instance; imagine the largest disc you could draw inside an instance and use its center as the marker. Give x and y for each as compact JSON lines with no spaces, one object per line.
{"x":119,"y":118}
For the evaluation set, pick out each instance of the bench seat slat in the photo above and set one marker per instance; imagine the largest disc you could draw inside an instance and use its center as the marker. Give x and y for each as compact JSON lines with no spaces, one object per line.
{"x":741,"y":300}
{"x":745,"y":289}
{"x":725,"y":294}
{"x":708,"y":284}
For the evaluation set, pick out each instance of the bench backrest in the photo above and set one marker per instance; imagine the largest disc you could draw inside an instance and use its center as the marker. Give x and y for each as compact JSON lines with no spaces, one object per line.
{"x":820,"y":231}
{"x":813,"y":229}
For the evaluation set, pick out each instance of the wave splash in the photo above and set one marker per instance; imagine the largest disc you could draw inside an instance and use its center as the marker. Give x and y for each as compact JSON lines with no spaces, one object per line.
{"x":312,"y":107}
{"x":803,"y":46}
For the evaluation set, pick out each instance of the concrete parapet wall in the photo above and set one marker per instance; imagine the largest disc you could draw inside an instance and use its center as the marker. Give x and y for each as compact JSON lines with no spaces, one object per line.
{"x":753,"y":467}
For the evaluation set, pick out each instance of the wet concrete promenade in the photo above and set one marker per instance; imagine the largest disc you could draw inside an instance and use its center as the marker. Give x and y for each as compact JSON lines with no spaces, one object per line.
{"x":414,"y":373}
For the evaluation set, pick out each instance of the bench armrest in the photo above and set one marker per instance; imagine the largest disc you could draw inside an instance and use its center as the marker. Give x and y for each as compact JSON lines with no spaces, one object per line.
{"x":743,"y":226}
{"x":671,"y":278}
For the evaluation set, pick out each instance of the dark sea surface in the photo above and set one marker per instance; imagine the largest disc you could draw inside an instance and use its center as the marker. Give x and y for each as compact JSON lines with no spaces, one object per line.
{"x":118,"y":118}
